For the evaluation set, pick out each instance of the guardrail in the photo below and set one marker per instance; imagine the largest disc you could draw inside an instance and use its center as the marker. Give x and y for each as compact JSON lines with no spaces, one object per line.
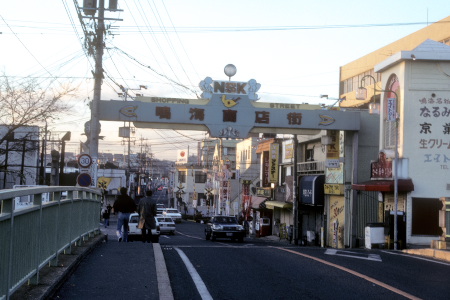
{"x":33,"y":236}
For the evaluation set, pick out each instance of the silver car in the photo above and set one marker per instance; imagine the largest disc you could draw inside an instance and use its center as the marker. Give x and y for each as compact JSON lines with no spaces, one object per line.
{"x":173,"y":213}
{"x":166,"y":224}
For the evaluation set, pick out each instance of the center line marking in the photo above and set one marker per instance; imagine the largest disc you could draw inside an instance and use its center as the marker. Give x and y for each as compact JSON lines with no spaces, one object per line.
{"x":370,"y":279}
{"x":199,"y":284}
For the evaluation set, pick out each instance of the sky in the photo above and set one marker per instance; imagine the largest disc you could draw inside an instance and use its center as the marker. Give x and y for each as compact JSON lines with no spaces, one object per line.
{"x":292,"y":48}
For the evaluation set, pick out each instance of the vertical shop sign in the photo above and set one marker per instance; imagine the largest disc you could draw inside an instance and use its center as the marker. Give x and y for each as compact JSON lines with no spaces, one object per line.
{"x":265,"y":167}
{"x":273,"y":163}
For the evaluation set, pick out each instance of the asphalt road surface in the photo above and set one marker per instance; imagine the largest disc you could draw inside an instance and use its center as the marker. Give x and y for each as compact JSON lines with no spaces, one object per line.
{"x":258,"y":268}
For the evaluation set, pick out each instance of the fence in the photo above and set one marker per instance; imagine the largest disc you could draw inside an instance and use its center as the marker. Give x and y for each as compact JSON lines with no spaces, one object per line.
{"x":33,"y":236}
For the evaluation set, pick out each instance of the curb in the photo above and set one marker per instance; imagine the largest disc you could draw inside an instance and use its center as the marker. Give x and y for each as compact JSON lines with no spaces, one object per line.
{"x":428,"y":252}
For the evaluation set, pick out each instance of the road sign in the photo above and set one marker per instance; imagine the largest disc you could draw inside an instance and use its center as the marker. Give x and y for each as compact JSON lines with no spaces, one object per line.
{"x":85,"y":160}
{"x":332,"y":163}
{"x":84,"y":179}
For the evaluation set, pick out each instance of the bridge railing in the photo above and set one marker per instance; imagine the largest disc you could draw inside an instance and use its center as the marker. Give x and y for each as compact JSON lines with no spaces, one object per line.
{"x":32,"y":236}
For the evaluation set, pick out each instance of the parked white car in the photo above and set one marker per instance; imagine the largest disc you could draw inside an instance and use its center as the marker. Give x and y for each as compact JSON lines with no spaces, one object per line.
{"x":135,"y":232}
{"x":160,"y":210}
{"x":166,"y":224}
{"x":173,"y":213}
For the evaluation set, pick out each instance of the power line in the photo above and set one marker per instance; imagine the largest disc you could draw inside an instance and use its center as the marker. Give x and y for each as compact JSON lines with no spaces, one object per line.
{"x":28,"y":50}
{"x":218,"y":29}
{"x":158,"y":73}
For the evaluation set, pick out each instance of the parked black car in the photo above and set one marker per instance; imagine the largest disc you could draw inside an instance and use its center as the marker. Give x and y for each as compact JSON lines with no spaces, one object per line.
{"x":224,"y":227}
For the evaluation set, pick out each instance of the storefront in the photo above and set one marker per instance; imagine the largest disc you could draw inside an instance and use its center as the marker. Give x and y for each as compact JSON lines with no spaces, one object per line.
{"x":310,"y":212}
{"x":387,"y":205}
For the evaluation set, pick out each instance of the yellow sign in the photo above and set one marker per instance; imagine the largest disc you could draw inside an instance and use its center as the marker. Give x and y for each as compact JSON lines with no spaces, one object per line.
{"x":103,"y":182}
{"x":333,"y":189}
{"x":289,"y":150}
{"x":273,"y":162}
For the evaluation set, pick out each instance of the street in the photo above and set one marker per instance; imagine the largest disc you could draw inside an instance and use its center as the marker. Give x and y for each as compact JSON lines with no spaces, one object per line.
{"x":261,"y":269}
{"x":258,"y":268}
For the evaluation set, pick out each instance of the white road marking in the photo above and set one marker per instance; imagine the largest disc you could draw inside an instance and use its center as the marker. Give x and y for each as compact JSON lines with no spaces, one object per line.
{"x":164,"y":288}
{"x":199,"y":284}
{"x":372,"y":257}
{"x":365,"y":277}
{"x":191,"y":236}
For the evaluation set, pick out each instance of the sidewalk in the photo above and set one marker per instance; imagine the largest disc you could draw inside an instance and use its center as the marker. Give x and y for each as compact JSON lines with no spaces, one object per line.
{"x":96,"y":261}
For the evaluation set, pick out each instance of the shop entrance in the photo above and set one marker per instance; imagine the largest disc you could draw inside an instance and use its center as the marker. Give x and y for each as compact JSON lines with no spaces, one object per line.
{"x":401,"y":229}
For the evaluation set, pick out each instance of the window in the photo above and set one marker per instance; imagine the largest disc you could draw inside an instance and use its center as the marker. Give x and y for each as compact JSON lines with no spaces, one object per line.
{"x":200,"y":177}
{"x":309,"y":155}
{"x":356,"y":83}
{"x":425,"y":216}
{"x":390,"y":129}
{"x":182,"y":176}
{"x":350,"y":84}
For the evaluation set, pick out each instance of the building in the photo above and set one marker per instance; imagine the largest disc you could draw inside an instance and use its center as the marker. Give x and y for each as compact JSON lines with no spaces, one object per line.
{"x":350,"y":75}
{"x":412,"y":91}
{"x":19,"y":156}
{"x":209,"y":185}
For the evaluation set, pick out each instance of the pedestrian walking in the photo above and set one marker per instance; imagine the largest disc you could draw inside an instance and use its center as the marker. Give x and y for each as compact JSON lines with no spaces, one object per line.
{"x":147,"y":213}
{"x":109,"y":208}
{"x":124,"y":205}
{"x":106,"y":215}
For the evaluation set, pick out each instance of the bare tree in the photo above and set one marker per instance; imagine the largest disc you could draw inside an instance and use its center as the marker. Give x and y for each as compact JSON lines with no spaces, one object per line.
{"x":22,"y":104}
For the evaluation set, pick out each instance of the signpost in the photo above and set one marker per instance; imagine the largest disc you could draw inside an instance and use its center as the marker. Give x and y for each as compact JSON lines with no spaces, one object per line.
{"x":84,"y":180}
{"x":84,"y":162}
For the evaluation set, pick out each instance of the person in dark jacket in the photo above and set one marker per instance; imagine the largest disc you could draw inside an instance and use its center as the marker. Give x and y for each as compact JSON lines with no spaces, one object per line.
{"x":124,"y":205}
{"x":147,"y":213}
{"x":106,"y":214}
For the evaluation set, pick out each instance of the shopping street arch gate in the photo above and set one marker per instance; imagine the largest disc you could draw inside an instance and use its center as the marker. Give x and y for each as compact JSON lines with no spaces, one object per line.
{"x":227,"y":109}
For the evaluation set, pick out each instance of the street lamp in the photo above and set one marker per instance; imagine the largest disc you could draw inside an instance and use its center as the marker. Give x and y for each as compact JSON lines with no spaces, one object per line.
{"x":361,"y":94}
{"x":272,"y":187}
{"x":392,"y":116}
{"x":230,"y":70}
{"x":65,"y":138}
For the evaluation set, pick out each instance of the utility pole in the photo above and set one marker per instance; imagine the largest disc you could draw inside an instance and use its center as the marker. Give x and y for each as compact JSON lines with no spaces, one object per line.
{"x":294,"y":193}
{"x":42,"y":173}
{"x":97,"y":44}
{"x":98,"y":77}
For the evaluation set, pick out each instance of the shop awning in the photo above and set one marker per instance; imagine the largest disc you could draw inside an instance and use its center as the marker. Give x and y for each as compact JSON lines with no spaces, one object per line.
{"x":311,"y":190}
{"x":256,"y":201}
{"x":404,"y":185}
{"x":280,"y":204}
